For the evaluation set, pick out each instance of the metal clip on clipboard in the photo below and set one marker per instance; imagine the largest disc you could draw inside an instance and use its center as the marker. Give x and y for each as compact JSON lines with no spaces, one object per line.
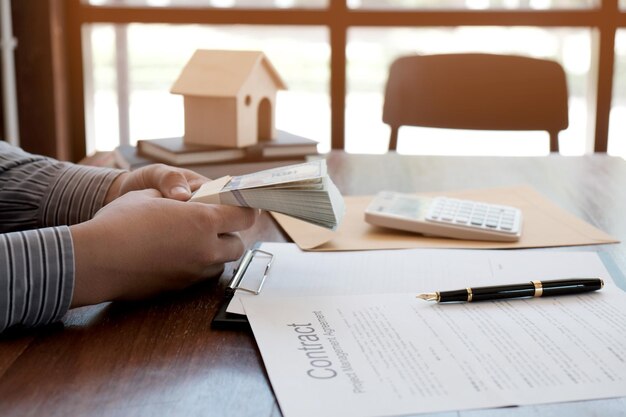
{"x":240,"y":272}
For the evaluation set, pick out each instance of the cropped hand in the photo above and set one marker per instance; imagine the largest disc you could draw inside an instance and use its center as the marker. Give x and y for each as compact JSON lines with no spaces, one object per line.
{"x":171,"y":182}
{"x":142,"y":244}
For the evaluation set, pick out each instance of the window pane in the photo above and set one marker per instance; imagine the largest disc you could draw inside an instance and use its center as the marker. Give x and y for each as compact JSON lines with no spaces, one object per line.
{"x":101,"y":116}
{"x":371,"y":50}
{"x":157,"y":54}
{"x":249,"y":4}
{"x":473,"y":4}
{"x":617,"y":125}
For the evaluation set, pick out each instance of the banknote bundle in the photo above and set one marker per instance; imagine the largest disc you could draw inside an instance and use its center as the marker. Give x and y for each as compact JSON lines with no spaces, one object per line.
{"x":304,"y":191}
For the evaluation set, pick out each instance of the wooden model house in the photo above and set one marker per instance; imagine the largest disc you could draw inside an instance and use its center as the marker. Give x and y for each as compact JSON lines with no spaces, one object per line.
{"x":229,"y":97}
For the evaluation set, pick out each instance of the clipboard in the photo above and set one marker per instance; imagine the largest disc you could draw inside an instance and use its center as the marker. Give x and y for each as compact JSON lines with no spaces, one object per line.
{"x":231,"y":321}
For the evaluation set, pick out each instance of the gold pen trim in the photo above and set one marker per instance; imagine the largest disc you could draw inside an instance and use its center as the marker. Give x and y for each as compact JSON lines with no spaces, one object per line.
{"x":470,"y":295}
{"x":538,"y":288}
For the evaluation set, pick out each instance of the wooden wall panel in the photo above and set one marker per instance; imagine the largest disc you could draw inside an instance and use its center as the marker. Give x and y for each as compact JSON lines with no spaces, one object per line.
{"x":40,"y":76}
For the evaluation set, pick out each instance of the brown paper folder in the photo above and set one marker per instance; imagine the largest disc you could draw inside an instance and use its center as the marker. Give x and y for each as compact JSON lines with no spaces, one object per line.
{"x":545,"y":225}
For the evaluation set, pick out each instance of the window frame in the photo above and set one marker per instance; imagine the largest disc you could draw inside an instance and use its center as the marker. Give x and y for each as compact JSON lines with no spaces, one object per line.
{"x":339,"y":18}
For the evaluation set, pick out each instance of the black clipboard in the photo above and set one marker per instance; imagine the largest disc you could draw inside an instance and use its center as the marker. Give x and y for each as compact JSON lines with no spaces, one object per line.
{"x":231,"y":321}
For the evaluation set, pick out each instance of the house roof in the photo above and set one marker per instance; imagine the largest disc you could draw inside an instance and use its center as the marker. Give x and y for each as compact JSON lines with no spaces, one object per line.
{"x":221,"y":73}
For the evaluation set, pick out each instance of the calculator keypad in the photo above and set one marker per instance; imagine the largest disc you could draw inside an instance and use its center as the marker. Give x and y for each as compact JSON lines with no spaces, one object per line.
{"x":473,"y":214}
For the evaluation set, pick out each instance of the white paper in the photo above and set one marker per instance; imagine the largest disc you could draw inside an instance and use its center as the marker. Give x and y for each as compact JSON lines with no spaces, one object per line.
{"x":384,"y":355}
{"x":392,"y":354}
{"x":298,"y":273}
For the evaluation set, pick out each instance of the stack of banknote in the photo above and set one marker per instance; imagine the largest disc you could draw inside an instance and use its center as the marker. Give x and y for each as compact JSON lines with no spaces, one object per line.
{"x":304,"y":191}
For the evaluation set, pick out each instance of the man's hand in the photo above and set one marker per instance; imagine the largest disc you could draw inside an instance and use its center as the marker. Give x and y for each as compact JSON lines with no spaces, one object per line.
{"x":142,"y":244}
{"x":171,"y":182}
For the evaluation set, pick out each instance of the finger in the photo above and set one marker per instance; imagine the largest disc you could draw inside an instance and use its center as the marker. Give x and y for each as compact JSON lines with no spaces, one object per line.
{"x":213,"y":271}
{"x":172,"y":183}
{"x":147,"y":193}
{"x":229,"y":248}
{"x":133,"y":196}
{"x":194,"y":180}
{"x":227,"y":219}
{"x":193,"y":177}
{"x":196,"y":183}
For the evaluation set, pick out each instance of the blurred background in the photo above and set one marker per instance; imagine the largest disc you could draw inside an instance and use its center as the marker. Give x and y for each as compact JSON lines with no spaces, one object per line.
{"x":130,"y":54}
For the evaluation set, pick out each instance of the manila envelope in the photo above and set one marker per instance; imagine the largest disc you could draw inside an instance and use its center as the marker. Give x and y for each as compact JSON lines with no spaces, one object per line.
{"x":544,"y":225}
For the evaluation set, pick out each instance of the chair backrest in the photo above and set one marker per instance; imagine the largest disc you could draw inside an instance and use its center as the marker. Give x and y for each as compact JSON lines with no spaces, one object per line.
{"x":476,"y":91}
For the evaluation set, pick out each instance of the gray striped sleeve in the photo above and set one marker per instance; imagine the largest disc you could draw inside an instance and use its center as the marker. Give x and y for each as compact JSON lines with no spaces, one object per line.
{"x":38,"y":192}
{"x":36,"y":259}
{"x":37,"y":281}
{"x":76,"y":195}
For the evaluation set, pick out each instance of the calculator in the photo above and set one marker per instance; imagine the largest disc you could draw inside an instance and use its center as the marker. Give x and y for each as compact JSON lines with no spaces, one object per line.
{"x":445,"y":217}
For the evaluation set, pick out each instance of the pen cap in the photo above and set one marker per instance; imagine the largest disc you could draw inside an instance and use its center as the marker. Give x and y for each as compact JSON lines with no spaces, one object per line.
{"x":571,"y":286}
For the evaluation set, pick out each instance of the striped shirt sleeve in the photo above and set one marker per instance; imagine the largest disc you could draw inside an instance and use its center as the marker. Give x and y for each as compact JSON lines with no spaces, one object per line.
{"x":39,"y":198}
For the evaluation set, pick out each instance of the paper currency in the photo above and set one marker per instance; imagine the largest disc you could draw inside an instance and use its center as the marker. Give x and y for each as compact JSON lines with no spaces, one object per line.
{"x":304,"y":191}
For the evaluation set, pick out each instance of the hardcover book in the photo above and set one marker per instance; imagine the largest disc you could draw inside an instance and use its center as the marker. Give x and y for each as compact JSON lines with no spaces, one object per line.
{"x":126,"y":157}
{"x":174,"y":151}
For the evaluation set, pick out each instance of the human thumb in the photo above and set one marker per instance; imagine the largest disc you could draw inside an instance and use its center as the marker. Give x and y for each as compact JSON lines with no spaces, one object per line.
{"x":174,"y":185}
{"x":179,"y":192}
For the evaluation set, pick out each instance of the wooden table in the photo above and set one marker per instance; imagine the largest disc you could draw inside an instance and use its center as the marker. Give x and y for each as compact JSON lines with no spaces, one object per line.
{"x":161,"y":357}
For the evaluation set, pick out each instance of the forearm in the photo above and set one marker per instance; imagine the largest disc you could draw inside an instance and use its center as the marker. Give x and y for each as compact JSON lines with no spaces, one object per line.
{"x":39,"y":192}
{"x":37,"y":261}
{"x":37,"y":268}
{"x":76,"y":195}
{"x":36,"y":276}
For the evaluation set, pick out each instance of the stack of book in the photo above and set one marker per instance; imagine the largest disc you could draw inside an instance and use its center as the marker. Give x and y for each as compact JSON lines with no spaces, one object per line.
{"x":126,"y":157}
{"x":174,"y":151}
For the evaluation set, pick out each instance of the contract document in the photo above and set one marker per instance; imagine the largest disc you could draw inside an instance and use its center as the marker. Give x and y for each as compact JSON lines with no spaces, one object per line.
{"x":387,"y":354}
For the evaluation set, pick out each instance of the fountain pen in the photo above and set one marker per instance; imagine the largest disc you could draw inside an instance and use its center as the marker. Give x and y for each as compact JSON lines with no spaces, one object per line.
{"x":530,"y":289}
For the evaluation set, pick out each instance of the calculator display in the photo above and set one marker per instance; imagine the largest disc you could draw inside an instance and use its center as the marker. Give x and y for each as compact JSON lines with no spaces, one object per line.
{"x":409,"y":207}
